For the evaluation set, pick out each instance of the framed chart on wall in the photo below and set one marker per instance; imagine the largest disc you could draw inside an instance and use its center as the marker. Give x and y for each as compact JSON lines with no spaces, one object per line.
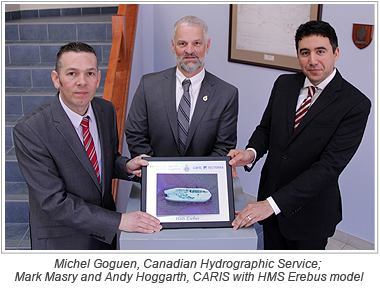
{"x":188,"y":192}
{"x":263,"y":34}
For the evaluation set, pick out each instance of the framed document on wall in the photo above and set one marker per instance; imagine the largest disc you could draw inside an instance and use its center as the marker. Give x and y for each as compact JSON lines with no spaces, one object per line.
{"x":263,"y":34}
{"x":188,"y":192}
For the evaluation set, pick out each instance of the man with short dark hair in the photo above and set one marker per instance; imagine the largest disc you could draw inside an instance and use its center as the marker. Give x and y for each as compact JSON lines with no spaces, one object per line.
{"x":311,"y":128}
{"x":67,"y":151}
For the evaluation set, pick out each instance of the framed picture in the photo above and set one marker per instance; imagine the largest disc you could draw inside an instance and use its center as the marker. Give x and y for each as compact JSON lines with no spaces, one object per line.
{"x":188,"y":192}
{"x":263,"y":34}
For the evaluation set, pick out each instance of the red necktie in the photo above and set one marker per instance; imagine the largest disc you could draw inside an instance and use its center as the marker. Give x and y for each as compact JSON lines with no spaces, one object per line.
{"x":89,"y":145}
{"x":302,"y":110}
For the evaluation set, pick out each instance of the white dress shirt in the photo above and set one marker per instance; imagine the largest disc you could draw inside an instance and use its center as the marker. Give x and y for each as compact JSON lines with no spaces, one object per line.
{"x":195,"y":87}
{"x":318,"y":91}
{"x":76,"y":119}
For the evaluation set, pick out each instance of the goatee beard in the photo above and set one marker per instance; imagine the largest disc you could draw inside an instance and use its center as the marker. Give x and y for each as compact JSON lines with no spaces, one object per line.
{"x":189,"y":66}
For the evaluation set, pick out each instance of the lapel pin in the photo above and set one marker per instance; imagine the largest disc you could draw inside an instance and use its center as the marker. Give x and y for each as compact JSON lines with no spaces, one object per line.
{"x":205,"y":98}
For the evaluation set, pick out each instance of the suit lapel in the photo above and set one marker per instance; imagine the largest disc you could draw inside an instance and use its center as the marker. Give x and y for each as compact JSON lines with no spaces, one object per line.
{"x":102,"y":127}
{"x":168,"y":90}
{"x":328,"y":96}
{"x":69,"y":134}
{"x":293,"y":94}
{"x":205,"y":96}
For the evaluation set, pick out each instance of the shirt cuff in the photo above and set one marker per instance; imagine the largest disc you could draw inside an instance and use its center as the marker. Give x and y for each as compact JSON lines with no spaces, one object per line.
{"x":274,"y":206}
{"x":250,"y":165}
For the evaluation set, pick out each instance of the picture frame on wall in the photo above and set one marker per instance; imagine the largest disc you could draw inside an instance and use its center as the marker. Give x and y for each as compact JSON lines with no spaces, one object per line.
{"x":263,"y":34}
{"x":188,"y":192}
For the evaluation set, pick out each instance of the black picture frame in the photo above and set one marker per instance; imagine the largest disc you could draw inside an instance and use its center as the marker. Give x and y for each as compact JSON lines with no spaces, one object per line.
{"x":188,"y":192}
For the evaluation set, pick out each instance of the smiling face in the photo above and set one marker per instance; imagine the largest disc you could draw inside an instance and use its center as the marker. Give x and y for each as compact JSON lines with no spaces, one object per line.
{"x":77,"y":80}
{"x":316,"y":57}
{"x":190,"y":48}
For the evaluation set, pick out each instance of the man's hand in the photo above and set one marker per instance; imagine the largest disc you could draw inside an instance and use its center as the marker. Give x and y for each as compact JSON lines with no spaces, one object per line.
{"x":240,"y":158}
{"x":252,"y":213}
{"x":134,"y":165}
{"x":140,"y":222}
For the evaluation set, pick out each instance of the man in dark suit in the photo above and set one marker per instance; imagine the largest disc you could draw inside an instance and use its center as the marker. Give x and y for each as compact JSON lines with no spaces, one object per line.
{"x":70,"y":201}
{"x":153,"y":126}
{"x":308,"y":144}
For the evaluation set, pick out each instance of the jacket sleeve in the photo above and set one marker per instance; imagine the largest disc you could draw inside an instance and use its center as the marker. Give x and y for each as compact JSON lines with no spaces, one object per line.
{"x":226,"y":136}
{"x":137,"y":126}
{"x":261,"y":136}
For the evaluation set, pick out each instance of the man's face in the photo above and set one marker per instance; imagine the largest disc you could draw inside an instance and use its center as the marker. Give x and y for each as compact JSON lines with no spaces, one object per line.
{"x":77,"y":80}
{"x":190,"y":49}
{"x":316,"y":57}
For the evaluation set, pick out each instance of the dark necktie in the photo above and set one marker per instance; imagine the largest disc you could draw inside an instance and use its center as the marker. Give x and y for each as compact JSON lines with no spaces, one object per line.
{"x":302,"y":110}
{"x":89,"y":145}
{"x":184,"y":116}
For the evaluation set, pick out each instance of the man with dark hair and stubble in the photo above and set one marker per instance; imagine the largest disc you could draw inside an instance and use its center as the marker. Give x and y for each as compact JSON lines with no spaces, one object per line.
{"x":310,"y":130}
{"x":67,"y":151}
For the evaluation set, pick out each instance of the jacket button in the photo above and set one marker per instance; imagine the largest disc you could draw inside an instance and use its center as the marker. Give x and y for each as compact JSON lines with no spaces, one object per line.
{"x":285,"y":157}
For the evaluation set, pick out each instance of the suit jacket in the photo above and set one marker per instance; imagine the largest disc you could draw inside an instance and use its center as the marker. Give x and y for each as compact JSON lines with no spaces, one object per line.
{"x":302,"y":168}
{"x":151,"y":127}
{"x":68,"y":207}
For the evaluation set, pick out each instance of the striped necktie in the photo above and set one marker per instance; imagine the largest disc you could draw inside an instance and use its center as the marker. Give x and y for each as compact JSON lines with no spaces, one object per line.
{"x":184,"y":116}
{"x":89,"y":145}
{"x":302,"y":110}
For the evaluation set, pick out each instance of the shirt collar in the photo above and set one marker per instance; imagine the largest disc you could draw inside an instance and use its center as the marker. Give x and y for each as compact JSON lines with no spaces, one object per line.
{"x":196,"y":80}
{"x":323,"y":84}
{"x":75,"y":118}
